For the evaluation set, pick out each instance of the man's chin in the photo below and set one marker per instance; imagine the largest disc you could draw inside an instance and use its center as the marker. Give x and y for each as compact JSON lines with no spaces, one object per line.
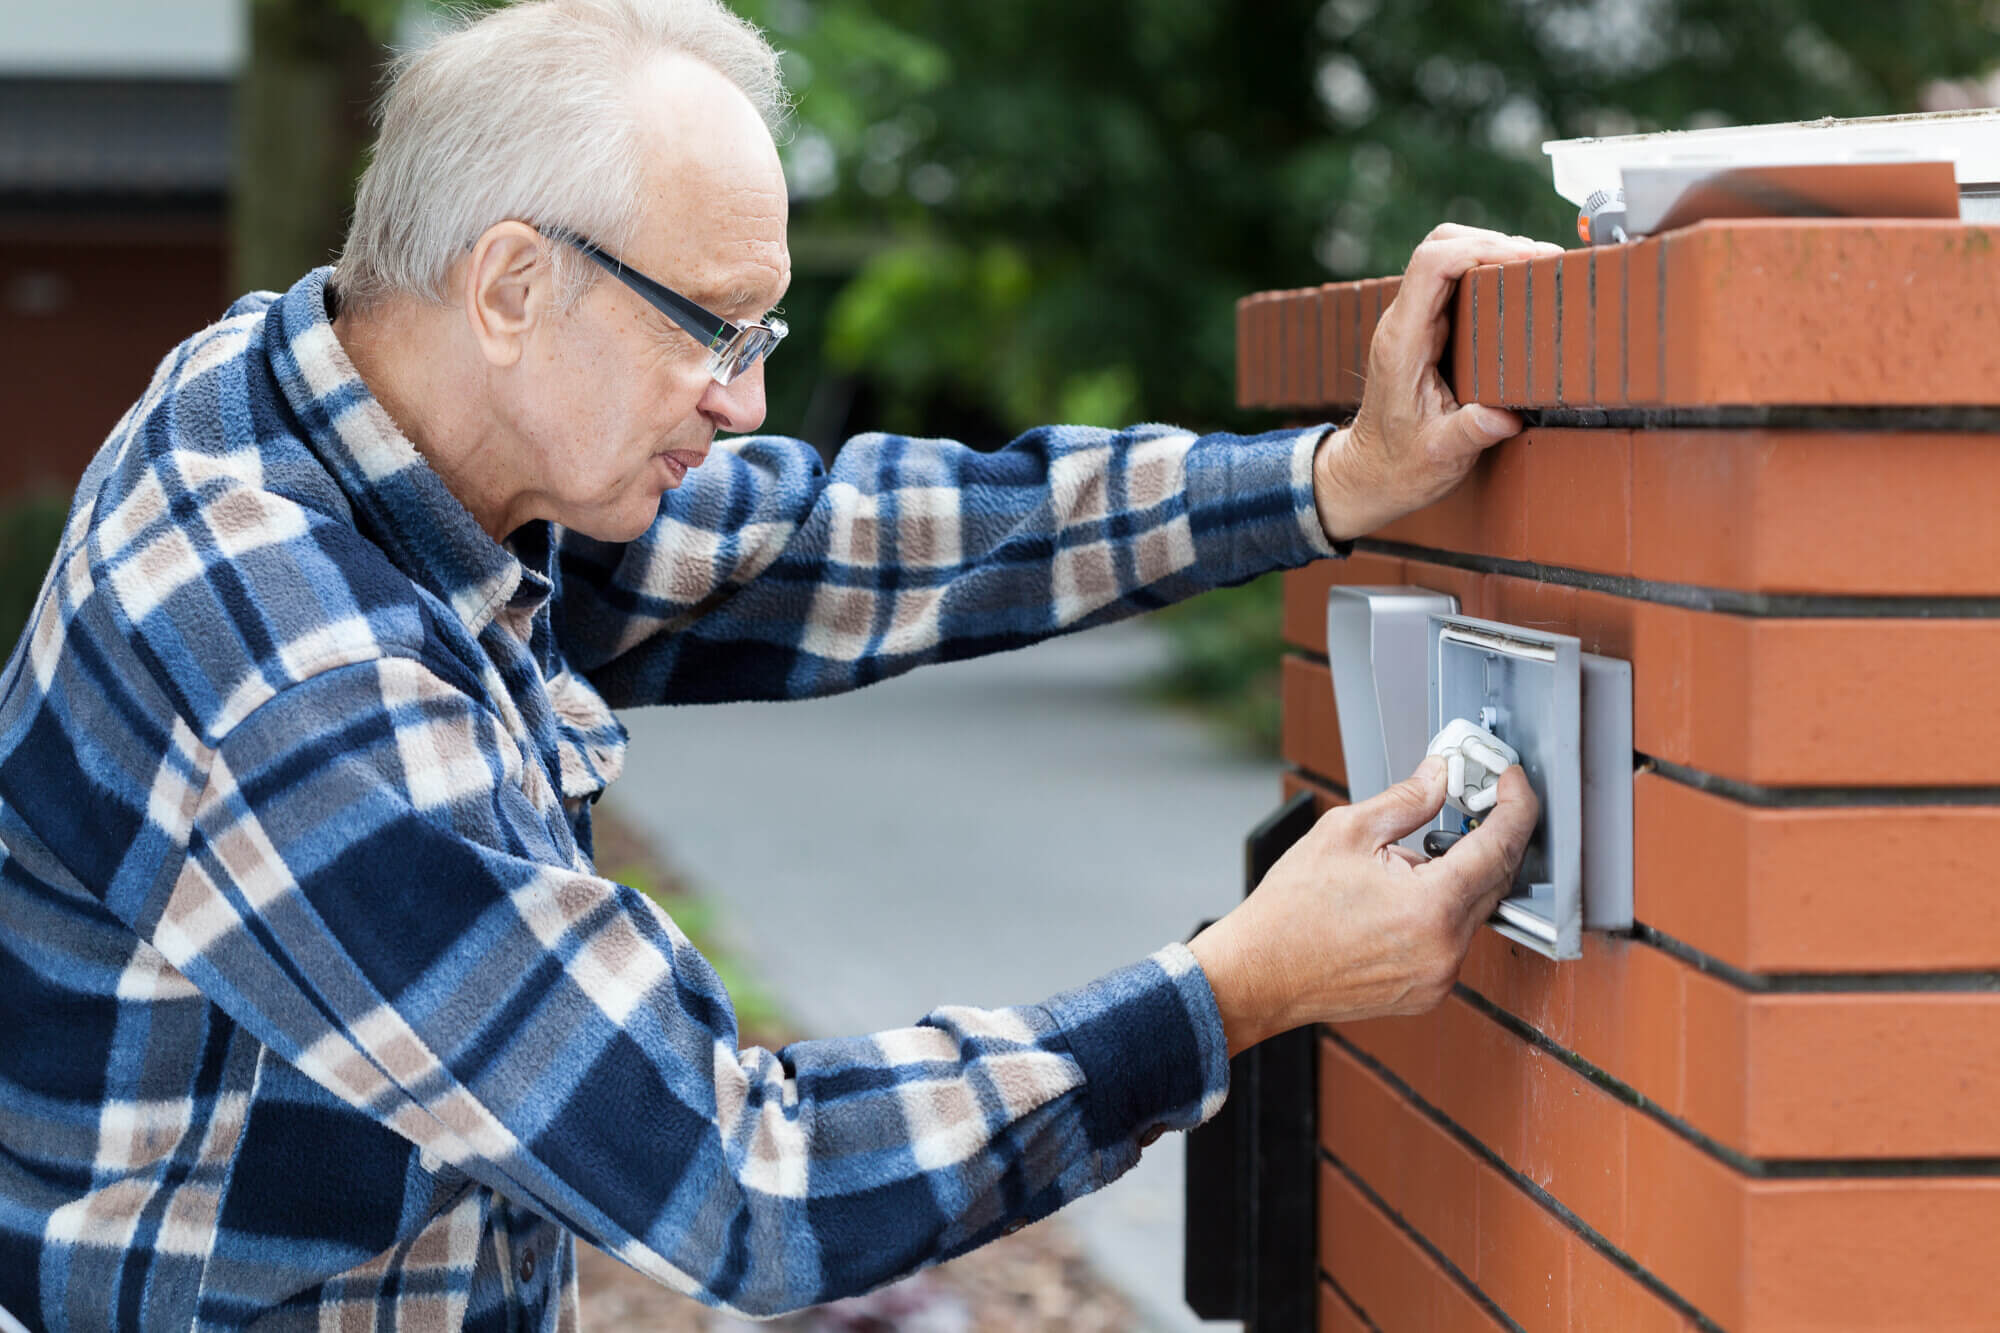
{"x":630,"y":513}
{"x":626,"y":524}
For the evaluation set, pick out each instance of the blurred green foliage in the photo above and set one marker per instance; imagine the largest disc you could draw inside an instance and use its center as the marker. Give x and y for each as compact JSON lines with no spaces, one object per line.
{"x":758,"y":1019}
{"x":1225,"y":660}
{"x":29,"y":531}
{"x":1046,"y":210}
{"x":1057,"y":204}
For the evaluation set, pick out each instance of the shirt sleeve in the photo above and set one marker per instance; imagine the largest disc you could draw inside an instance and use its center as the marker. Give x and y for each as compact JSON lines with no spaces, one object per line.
{"x":767,"y":576}
{"x":371,"y":888}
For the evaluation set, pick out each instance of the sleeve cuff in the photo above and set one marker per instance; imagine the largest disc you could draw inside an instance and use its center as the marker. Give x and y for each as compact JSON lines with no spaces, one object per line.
{"x":1304,"y":449}
{"x":1149,"y":1041}
{"x":1250,"y":502}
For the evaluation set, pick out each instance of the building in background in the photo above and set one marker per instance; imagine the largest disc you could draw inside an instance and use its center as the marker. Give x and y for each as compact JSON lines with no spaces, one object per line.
{"x":114,"y":175}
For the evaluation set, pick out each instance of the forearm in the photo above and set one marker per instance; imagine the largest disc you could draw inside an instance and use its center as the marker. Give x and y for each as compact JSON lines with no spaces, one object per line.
{"x":919,"y":551}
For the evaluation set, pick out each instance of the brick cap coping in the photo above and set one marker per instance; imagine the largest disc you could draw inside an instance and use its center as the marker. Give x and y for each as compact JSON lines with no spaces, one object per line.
{"x":1743,"y":314}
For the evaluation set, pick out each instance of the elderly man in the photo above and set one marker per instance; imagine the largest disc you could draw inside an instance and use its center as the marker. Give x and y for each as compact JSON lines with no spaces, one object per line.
{"x":316,"y":1012}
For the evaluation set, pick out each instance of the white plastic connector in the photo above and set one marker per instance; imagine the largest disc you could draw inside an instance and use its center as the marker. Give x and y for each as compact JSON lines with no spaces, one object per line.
{"x":1474,"y":760}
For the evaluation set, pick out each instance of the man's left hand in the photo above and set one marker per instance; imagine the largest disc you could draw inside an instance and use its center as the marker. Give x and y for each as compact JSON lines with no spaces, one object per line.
{"x":1412,"y":441}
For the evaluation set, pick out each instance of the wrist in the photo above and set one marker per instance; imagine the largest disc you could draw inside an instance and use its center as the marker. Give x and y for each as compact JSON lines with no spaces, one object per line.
{"x":1233,"y":984}
{"x":1343,"y":512}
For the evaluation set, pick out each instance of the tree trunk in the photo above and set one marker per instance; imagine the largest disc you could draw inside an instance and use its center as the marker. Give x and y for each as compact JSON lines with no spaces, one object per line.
{"x":302,"y":126}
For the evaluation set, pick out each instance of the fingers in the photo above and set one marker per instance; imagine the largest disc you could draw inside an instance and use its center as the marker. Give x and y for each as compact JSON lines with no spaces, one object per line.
{"x":1434,"y":269}
{"x":1438,"y":264}
{"x":1405,"y":807}
{"x":1488,"y":902}
{"x":1514,"y":816}
{"x":1451,"y":256}
{"x":1447,"y":230}
{"x":1482,"y":864}
{"x":1475,"y":427}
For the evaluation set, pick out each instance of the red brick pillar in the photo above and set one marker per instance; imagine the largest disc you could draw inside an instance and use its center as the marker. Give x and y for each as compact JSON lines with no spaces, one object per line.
{"x":1762,"y":465}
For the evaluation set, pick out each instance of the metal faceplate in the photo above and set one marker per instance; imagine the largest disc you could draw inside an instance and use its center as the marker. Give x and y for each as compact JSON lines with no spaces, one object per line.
{"x":1525,"y":687}
{"x":1377,"y":640}
{"x":1607,"y":793}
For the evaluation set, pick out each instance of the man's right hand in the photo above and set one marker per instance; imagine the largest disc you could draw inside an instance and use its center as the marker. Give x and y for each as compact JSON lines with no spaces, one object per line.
{"x":1412,"y":441}
{"x":1349,"y":925}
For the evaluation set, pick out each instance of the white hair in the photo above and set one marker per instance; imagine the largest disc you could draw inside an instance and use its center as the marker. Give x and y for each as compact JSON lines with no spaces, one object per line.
{"x":528,"y":113}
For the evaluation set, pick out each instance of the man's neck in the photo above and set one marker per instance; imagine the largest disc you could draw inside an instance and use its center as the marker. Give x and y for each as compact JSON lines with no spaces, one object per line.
{"x":404,"y":354}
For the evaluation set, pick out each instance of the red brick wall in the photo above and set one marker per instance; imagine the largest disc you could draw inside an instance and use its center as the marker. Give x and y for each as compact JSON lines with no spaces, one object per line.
{"x":1763,"y":467}
{"x":86,"y":312}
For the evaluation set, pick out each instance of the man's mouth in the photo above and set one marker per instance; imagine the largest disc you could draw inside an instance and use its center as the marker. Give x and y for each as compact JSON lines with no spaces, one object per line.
{"x":680,"y":462}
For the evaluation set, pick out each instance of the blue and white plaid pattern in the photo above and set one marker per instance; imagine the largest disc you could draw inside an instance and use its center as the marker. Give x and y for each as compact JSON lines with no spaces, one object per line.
{"x":315,"y":1013}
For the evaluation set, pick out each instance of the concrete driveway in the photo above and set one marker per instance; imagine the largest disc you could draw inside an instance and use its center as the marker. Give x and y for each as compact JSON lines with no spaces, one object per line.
{"x":986,"y":833}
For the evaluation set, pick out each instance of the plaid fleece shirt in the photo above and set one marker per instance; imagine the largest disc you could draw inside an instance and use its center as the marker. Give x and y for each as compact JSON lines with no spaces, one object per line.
{"x":312,"y":1011}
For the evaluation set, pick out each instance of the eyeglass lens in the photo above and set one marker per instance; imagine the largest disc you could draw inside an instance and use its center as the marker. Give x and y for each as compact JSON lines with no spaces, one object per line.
{"x":745,"y":350}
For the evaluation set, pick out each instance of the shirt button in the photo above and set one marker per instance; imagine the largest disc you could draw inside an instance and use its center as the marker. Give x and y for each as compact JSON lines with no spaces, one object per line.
{"x":1012,"y":1227}
{"x":528,"y":1266}
{"x":1151,"y":1136}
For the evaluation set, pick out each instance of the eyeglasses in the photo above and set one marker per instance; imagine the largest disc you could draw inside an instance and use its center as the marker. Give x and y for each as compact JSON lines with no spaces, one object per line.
{"x":732,"y":348}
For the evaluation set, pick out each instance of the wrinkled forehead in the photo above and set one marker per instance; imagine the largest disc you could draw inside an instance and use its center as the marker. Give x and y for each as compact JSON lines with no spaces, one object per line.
{"x":713,"y":210}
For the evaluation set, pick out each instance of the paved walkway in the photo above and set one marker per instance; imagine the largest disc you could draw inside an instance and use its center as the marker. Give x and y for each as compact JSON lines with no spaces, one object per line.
{"x":985,"y":833}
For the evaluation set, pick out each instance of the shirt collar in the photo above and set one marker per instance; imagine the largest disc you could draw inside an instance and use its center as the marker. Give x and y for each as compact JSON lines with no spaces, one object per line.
{"x":407,"y":510}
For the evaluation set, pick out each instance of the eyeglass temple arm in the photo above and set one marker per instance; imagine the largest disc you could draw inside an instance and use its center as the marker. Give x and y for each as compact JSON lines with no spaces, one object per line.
{"x":711,"y":328}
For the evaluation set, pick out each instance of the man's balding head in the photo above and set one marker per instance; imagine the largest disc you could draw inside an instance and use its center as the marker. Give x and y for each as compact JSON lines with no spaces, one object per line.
{"x":549,"y":112}
{"x":534,"y":383}
{"x":712,"y":205}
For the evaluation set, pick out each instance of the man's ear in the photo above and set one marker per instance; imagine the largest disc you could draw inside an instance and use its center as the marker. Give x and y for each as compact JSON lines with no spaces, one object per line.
{"x":509,"y":288}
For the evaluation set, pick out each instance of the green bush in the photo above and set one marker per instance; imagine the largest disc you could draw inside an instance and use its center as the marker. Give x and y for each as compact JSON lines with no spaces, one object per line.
{"x":1226,"y":649}
{"x":29,"y":531}
{"x":758,"y":1018}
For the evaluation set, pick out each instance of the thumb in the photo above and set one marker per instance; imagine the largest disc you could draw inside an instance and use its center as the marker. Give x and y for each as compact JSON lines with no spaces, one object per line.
{"x":1406,"y":807}
{"x":1476,"y":426}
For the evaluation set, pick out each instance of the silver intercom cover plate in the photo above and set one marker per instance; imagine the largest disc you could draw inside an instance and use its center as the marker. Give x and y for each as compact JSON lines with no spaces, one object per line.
{"x":1607,"y":793}
{"x":1377,"y":640}
{"x":1524,"y":686}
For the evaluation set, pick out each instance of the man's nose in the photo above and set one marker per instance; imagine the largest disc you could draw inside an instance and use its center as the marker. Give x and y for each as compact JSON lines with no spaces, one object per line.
{"x":737,"y":407}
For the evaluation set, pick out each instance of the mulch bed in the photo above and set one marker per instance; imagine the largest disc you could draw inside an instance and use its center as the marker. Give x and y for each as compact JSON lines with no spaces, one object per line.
{"x":1035,"y":1279}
